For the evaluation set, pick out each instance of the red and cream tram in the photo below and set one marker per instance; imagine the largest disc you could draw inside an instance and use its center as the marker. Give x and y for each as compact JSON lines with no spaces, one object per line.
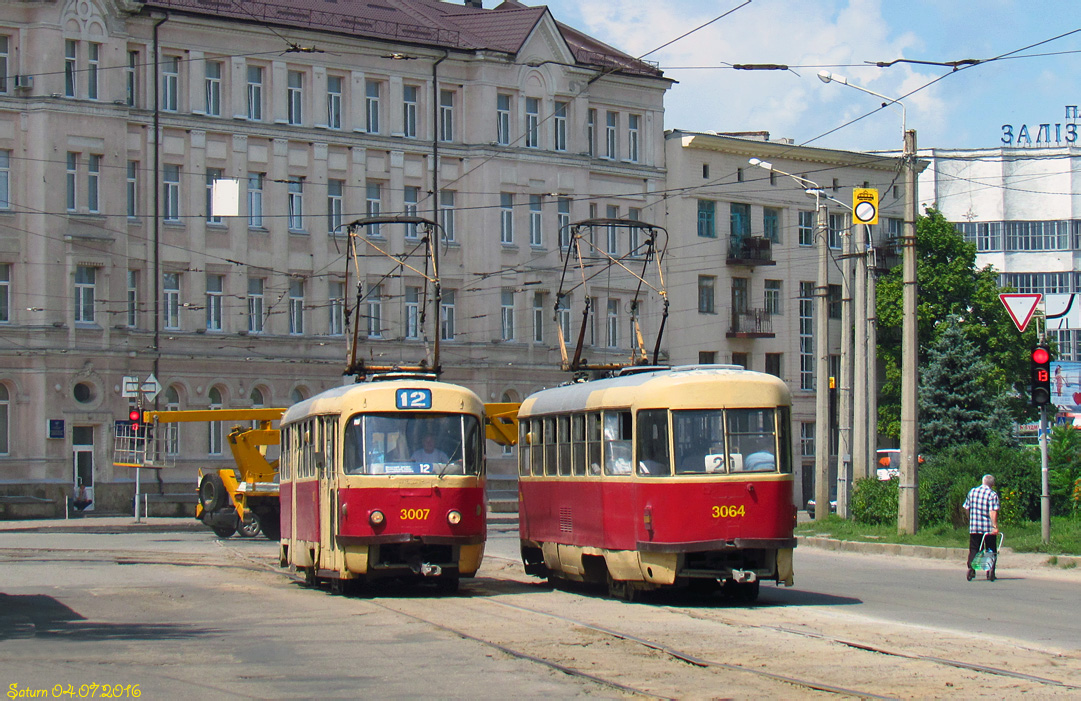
{"x":658,"y":477}
{"x":384,"y":479}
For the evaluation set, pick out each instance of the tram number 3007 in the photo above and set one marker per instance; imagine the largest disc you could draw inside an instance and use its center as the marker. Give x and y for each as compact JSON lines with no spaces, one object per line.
{"x":415,"y":514}
{"x":726,"y":511}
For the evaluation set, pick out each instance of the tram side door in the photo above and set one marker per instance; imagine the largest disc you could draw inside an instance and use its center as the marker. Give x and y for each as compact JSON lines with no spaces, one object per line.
{"x":82,"y":439}
{"x":328,"y":493}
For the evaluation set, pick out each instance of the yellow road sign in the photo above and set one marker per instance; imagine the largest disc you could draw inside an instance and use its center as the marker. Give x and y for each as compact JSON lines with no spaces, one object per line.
{"x":865,"y":205}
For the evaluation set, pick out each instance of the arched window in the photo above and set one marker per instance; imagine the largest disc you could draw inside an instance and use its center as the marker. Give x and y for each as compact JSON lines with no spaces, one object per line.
{"x":297,"y":395}
{"x":214,"y":439}
{"x":5,"y":418}
{"x":256,"y":396}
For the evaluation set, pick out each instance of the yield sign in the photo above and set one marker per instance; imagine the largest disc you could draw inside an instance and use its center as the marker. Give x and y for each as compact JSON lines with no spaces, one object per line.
{"x":1021,"y":307}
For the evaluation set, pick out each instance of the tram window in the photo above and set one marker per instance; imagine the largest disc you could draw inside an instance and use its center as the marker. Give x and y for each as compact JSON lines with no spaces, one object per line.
{"x":617,"y":443}
{"x":578,"y":444}
{"x":698,"y":437}
{"x":652,"y":441}
{"x":550,"y":467}
{"x":524,"y":449}
{"x":285,"y":462}
{"x":412,"y":444}
{"x":784,"y":438}
{"x":752,"y":440}
{"x":537,"y":429}
{"x":563,"y":438}
{"x":593,"y":443}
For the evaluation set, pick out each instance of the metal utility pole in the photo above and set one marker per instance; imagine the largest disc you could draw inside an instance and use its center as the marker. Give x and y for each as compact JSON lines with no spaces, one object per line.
{"x":844,"y":409}
{"x":872,"y":354}
{"x":908,"y":505}
{"x":860,"y":386}
{"x":822,"y":370}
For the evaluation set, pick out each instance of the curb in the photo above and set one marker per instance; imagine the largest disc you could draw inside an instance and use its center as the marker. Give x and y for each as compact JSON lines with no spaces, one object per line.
{"x":928,"y":552}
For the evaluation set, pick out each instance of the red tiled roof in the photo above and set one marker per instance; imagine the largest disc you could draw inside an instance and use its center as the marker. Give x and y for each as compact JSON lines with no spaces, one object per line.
{"x":447,"y":25}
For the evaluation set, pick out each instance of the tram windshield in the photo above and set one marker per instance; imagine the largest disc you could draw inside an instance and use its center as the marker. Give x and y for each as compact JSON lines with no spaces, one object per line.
{"x":412,"y":444}
{"x":699,"y":439}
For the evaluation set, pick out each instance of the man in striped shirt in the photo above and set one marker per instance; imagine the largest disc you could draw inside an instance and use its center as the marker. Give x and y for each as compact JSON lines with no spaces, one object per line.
{"x":982,"y":507}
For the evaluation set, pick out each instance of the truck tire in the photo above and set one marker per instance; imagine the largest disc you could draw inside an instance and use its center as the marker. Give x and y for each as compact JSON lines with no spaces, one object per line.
{"x":250,"y":527}
{"x":212,"y":494}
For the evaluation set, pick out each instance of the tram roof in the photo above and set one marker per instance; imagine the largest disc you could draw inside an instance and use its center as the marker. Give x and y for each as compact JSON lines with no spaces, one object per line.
{"x":681,"y":387}
{"x":333,"y":400}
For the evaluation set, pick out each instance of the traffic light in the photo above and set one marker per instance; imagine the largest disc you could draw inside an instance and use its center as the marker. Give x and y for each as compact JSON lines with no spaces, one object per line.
{"x":136,"y":418}
{"x":1041,"y":375}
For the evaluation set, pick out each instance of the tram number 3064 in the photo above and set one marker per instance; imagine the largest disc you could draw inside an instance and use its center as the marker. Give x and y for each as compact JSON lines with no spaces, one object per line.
{"x":415,"y":514}
{"x":726,"y":511}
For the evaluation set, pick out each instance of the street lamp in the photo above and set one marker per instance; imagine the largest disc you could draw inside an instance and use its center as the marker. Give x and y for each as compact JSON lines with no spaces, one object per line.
{"x":822,"y":436}
{"x":907,"y":505}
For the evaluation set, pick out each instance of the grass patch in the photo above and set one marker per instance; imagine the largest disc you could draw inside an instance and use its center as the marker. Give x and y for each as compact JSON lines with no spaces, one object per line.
{"x":1022,"y":537}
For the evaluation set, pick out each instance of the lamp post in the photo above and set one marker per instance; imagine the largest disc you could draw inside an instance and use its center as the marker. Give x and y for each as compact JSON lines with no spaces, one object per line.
{"x":907,"y":504}
{"x":822,"y":435}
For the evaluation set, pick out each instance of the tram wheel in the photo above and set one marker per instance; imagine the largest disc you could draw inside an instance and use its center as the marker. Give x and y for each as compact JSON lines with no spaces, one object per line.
{"x":212,"y":492}
{"x":622,"y":589}
{"x":309,"y":577}
{"x":250,"y":527}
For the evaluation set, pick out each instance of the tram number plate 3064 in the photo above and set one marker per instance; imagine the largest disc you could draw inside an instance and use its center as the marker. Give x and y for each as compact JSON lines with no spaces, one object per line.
{"x":728,"y":511}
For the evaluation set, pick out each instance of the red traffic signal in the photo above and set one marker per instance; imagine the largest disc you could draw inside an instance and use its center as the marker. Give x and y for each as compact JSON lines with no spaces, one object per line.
{"x":135,"y":416}
{"x":1041,"y":376}
{"x":1041,"y":355}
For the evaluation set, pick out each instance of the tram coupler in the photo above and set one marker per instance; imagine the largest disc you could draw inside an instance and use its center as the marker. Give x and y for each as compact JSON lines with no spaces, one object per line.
{"x":430,"y":570}
{"x":744,"y":576}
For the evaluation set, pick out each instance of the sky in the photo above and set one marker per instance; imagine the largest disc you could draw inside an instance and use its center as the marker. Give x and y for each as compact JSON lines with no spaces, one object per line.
{"x":967,"y":108}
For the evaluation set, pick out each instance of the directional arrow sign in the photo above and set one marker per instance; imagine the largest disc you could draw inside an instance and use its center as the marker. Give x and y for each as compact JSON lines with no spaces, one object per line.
{"x":150,"y":387}
{"x":1021,"y":307}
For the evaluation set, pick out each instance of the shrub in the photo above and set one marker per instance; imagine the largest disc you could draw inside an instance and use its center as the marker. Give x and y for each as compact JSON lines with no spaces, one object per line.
{"x":946,"y":478}
{"x":874,"y":502}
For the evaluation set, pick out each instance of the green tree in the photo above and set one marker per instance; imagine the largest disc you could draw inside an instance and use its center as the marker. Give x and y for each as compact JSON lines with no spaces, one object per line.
{"x":959,"y":401}
{"x":1064,"y":468}
{"x":950,"y":285}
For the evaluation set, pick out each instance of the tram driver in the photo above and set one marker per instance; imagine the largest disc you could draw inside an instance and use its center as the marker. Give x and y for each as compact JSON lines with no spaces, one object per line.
{"x":428,"y":453}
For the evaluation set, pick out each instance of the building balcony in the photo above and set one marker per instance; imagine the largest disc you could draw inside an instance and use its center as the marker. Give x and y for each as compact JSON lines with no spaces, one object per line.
{"x":751,"y":323}
{"x":750,"y":251}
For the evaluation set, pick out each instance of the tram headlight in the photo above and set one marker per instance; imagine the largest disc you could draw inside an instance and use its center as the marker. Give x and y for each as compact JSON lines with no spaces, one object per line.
{"x":454,"y":518}
{"x":376,"y":518}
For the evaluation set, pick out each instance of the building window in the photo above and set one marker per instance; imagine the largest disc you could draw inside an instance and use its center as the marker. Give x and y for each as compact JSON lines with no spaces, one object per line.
{"x":171,"y":193}
{"x":446,"y":214}
{"x":707,"y":219}
{"x":212,"y":174}
{"x":563,"y":318}
{"x":837,"y":229}
{"x":986,"y":235}
{"x":773,"y":364}
{"x":409,"y":111}
{"x":213,"y":88}
{"x":93,"y":182}
{"x":612,"y":325}
{"x":506,"y":315}
{"x":171,"y":290}
{"x":506,"y":218}
{"x":707,"y":294}
{"x":133,"y":299}
{"x":5,"y":292}
{"x":740,"y":219}
{"x":371,"y":106}
{"x":610,"y":135}
{"x":170,"y":83}
{"x":373,"y":206}
{"x":214,"y":428}
{"x":806,"y":228}
{"x":334,"y":102}
{"x":707,"y":357}
{"x":502,"y":119}
{"x":538,"y":317}
{"x":806,"y":336}
{"x":771,"y":224}
{"x":446,"y":316}
{"x":807,"y":439}
{"x":612,"y":233}
{"x":740,"y":295}
{"x":741,"y":359}
{"x":591,"y":132}
{"x":412,"y":312}
{"x":255,"y":305}
{"x":5,"y":179}
{"x":214,"y":289}
{"x":131,"y":79}
{"x":559,"y":127}
{"x":336,"y":309}
{"x":563,"y":219}
{"x":71,"y":67}
{"x":5,"y":421}
{"x":172,"y":431}
{"x":294,"y":98}
{"x":85,"y":278}
{"x":93,"y":67}
{"x":773,"y":297}
{"x":375,"y":312}
{"x":532,"y":122}
{"x":335,"y":188}
{"x":255,"y":200}
{"x":4,"y":63}
{"x":412,"y":195}
{"x":296,"y":204}
{"x":133,"y":189}
{"x":71,"y":179}
{"x":255,"y":93}
{"x":634,"y":214}
{"x":633,"y":135}
{"x":834,"y":298}
{"x":536,"y":230}
{"x":296,"y":307}
{"x":446,"y":115}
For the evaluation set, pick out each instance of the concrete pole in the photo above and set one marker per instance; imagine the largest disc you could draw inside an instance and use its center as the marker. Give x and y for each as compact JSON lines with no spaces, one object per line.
{"x":822,"y":412}
{"x":860,"y":387}
{"x":907,"y":508}
{"x":844,"y":404}
{"x":872,"y":361}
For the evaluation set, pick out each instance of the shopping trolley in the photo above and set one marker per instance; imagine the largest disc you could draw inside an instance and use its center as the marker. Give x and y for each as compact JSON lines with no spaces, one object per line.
{"x":985,"y":559}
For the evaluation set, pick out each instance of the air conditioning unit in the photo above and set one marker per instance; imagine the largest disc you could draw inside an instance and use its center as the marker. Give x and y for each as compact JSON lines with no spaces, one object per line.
{"x":24,"y":82}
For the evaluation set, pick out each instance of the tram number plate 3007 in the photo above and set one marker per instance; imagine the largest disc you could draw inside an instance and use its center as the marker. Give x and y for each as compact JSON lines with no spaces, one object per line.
{"x":728,"y":511}
{"x":415,"y":514}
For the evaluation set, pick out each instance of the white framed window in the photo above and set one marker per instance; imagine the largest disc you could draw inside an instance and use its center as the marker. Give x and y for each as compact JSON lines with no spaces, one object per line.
{"x":336,"y":309}
{"x":255,"y":93}
{"x":85,"y":281}
{"x":212,"y":174}
{"x":506,"y":315}
{"x":502,"y":119}
{"x":446,"y":316}
{"x":5,"y":56}
{"x":71,"y":67}
{"x":633,"y":136}
{"x":296,"y":204}
{"x":563,"y":218}
{"x":410,"y":199}
{"x":612,"y":325}
{"x":71,"y":179}
{"x":172,"y":431}
{"x":212,"y":88}
{"x":538,"y":317}
{"x":170,"y":284}
{"x":93,"y":183}
{"x":707,"y":294}
{"x":375,"y":312}
{"x":295,"y":97}
{"x":409,"y":111}
{"x":255,"y":304}
{"x":214,"y":428}
{"x":371,"y":105}
{"x":634,"y":214}
{"x":131,"y":79}
{"x":335,"y":190}
{"x":612,"y":238}
{"x":215,"y":288}
{"x":373,"y":205}
{"x":536,"y":230}
{"x":255,"y":200}
{"x":559,"y":127}
{"x":334,"y":101}
{"x":773,"y":297}
{"x":170,"y":83}
{"x":446,"y":214}
{"x":532,"y":122}
{"x":506,"y":218}
{"x":133,"y":189}
{"x":563,"y":318}
{"x":412,"y":312}
{"x":296,"y":307}
{"x":5,"y":293}
{"x":5,"y":179}
{"x":93,"y":70}
{"x":591,"y":133}
{"x":610,"y":135}
{"x":446,"y":115}
{"x":132,"y":299}
{"x":170,"y":176}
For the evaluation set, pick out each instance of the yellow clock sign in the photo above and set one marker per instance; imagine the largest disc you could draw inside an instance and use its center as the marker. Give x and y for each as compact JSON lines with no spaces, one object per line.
{"x":865,"y":205}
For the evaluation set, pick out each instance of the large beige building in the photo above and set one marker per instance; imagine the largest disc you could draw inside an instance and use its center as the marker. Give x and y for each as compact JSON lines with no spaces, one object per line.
{"x":117,"y":116}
